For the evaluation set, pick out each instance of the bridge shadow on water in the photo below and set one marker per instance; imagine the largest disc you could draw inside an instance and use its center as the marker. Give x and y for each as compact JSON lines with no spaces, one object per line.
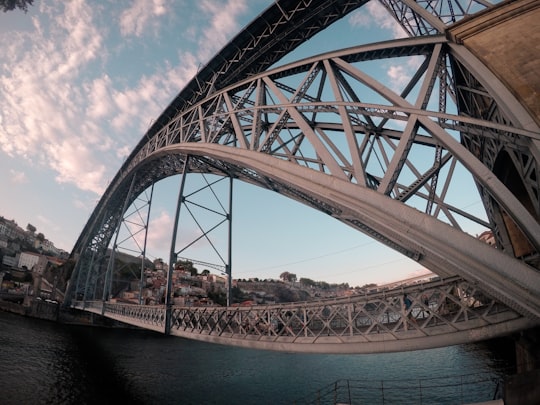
{"x":142,"y":367}
{"x":50,"y":363}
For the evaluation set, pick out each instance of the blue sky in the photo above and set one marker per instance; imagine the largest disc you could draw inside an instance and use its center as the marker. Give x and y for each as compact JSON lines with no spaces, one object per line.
{"x":81,"y":82}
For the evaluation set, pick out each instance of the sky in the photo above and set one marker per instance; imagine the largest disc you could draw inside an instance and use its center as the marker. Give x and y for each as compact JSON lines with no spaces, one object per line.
{"x":81,"y":81}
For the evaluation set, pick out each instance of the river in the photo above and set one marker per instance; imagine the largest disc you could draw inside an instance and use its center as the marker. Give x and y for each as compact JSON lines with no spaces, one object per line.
{"x":44,"y":362}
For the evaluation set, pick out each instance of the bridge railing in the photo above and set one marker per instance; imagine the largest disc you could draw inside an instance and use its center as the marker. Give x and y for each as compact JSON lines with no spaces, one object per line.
{"x":436,"y":308}
{"x":371,"y":322}
{"x":151,"y":316}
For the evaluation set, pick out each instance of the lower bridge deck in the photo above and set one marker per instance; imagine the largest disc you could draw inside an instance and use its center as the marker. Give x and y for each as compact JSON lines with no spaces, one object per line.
{"x":441,"y":313}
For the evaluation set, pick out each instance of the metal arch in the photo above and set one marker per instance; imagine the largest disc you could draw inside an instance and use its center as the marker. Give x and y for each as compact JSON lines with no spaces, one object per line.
{"x":229,"y":116}
{"x":296,"y":130}
{"x":429,"y":17}
{"x":437,"y":246}
{"x":277,"y":31}
{"x":227,"y":113}
{"x":281,"y":28}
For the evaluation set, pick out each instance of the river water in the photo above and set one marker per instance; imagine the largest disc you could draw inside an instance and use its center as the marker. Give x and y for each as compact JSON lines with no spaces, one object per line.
{"x":47,"y":363}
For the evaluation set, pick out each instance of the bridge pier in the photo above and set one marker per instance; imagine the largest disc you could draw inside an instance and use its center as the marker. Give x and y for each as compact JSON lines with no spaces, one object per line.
{"x":528,"y":351}
{"x":523,"y":388}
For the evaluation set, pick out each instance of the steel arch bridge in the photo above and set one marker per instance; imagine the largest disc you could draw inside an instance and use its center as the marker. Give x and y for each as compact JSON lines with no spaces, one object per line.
{"x":328,"y":133}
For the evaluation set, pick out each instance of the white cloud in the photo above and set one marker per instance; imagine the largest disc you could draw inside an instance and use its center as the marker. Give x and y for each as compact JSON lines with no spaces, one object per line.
{"x":223,"y":24}
{"x":74,"y":163}
{"x":123,"y":152}
{"x":158,"y":242}
{"x":360,"y":19}
{"x":398,"y":76}
{"x":41,"y":103}
{"x":17,"y":177}
{"x":99,"y":98}
{"x":61,"y":106}
{"x":136,"y":19}
{"x":375,"y":15}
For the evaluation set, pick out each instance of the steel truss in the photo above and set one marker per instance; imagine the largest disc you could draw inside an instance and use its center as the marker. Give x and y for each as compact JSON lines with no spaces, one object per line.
{"x":443,"y":313}
{"x":429,"y":17}
{"x":326,"y":132}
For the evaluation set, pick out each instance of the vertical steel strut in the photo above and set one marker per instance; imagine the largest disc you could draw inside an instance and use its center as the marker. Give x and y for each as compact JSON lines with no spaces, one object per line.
{"x":143,"y":255}
{"x":107,"y":285}
{"x":172,"y":255}
{"x":228,"y":265}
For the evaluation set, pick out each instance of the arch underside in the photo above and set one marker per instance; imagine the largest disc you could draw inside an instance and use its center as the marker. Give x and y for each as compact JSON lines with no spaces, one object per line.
{"x":384,"y":160}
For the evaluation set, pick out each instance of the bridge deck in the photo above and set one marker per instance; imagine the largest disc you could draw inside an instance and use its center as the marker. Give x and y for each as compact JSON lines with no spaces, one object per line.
{"x":443,"y":313}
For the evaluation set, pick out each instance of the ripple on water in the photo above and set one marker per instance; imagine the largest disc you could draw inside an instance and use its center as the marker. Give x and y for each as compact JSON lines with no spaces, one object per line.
{"x":47,"y":363}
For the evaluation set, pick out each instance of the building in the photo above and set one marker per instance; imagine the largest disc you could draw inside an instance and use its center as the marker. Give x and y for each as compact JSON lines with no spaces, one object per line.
{"x":10,"y":261}
{"x":28,"y":260}
{"x":487,"y":237}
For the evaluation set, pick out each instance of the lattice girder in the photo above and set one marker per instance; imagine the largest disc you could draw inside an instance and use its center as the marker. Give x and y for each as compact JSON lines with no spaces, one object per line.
{"x":232,"y":104}
{"x":443,"y":312}
{"x":313,"y":146}
{"x":313,"y":128}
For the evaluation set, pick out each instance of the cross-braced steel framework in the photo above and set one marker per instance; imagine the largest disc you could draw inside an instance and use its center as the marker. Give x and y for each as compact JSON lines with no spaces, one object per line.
{"x":328,"y":132}
{"x":443,"y":312}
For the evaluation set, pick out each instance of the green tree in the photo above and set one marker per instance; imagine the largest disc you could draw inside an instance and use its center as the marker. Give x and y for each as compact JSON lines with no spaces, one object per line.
{"x":9,"y":5}
{"x":186,"y":265}
{"x":286,"y":276}
{"x":323,"y":285}
{"x":307,"y":282}
{"x":219,"y":297}
{"x":238,"y":295}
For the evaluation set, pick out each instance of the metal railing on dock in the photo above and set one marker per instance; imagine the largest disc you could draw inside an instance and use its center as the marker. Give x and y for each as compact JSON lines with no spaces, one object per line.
{"x":459,"y":389}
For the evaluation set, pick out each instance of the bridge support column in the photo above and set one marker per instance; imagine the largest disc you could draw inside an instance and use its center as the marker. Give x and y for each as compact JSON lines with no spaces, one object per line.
{"x":228,"y":267}
{"x":143,"y":253}
{"x":523,"y":388}
{"x":172,"y":255}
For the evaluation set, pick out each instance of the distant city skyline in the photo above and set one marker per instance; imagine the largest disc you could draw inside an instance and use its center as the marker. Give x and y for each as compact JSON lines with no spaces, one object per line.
{"x":82,"y":82}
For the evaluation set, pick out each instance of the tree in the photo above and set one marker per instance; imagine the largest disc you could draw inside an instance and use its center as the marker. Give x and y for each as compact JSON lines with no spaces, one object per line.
{"x":219,"y":297}
{"x":30,"y":228}
{"x":238,"y":295}
{"x":186,"y":265}
{"x":9,"y":5}
{"x":323,"y":285}
{"x":286,"y":276}
{"x":307,"y":282}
